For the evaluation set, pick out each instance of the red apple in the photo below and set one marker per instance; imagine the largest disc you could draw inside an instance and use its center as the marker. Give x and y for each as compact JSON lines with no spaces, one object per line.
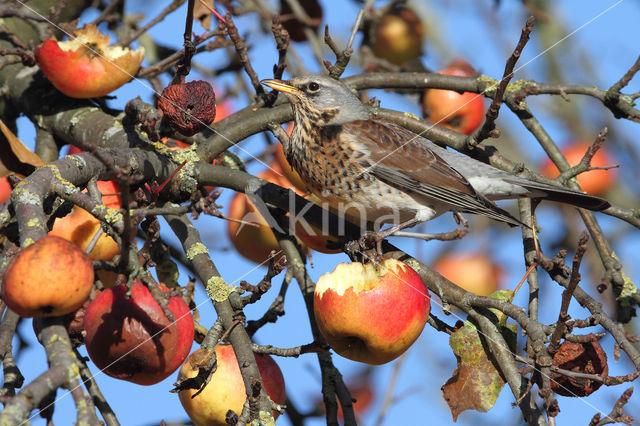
{"x":474,"y":272}
{"x":86,"y":66}
{"x":371,"y":312}
{"x":595,"y":182}
{"x":462,"y":112}
{"x":226,"y":389}
{"x":5,"y":190}
{"x":75,"y":150}
{"x":131,"y":338}
{"x":223,"y":110}
{"x":397,"y":36}
{"x":51,"y":277}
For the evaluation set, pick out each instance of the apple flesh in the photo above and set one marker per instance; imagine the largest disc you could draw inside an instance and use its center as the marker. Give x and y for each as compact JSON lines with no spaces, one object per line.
{"x":51,"y":277}
{"x":462,"y":112}
{"x":371,"y":313}
{"x":226,"y":389}
{"x":131,"y":338}
{"x":86,"y":66}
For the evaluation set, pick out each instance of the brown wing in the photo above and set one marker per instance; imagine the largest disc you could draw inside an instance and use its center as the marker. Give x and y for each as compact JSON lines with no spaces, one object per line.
{"x":397,"y":157}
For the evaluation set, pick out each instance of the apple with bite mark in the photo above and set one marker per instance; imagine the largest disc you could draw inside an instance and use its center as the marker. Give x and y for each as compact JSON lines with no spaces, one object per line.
{"x":371,"y":312}
{"x":86,"y":66}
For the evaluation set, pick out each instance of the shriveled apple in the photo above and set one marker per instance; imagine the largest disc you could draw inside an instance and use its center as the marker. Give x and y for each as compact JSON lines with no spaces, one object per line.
{"x":130,"y":338}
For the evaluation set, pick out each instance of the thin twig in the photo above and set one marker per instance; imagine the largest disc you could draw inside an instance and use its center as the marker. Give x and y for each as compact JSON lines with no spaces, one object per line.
{"x":492,"y":113}
{"x":561,"y":326}
{"x":167,"y":10}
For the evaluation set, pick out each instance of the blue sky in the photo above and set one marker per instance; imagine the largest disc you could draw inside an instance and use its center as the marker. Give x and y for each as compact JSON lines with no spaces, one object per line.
{"x":602,"y":48}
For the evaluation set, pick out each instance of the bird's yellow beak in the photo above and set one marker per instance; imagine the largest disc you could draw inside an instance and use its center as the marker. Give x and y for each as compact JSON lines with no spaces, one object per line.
{"x":280,"y":86}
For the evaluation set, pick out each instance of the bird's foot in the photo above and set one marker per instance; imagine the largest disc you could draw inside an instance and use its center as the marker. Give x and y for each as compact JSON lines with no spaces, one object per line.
{"x":364,"y":249}
{"x":461,"y":221}
{"x":371,"y":245}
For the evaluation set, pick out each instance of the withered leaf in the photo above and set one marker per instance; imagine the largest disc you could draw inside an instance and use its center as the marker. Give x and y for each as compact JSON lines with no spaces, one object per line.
{"x":475,"y":383}
{"x":202,"y":13}
{"x":15,"y":157}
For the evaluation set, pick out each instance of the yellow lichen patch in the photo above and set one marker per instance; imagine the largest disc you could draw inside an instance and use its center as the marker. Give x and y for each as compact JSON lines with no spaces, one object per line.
{"x":113,"y":215}
{"x":73,"y":373}
{"x":218,"y":290}
{"x":266,"y":418}
{"x":628,"y":288}
{"x":33,"y":222}
{"x":408,"y":114}
{"x":195,"y":250}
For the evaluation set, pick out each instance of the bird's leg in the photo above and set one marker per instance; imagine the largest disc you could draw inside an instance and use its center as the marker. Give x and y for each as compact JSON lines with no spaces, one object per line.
{"x":376,"y":237}
{"x":461,"y":221}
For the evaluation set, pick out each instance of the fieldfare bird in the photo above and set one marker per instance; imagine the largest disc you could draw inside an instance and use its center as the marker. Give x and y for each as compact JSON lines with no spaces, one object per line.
{"x":353,"y":160}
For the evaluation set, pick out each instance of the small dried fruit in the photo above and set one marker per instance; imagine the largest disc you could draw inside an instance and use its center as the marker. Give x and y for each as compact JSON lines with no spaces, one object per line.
{"x":189,"y":107}
{"x":587,"y":358}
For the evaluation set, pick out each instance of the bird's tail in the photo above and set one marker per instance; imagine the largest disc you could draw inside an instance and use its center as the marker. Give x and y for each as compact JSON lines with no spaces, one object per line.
{"x":563,"y":195}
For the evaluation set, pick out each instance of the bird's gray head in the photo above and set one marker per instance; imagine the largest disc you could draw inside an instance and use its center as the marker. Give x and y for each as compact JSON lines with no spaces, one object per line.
{"x":322,"y":99}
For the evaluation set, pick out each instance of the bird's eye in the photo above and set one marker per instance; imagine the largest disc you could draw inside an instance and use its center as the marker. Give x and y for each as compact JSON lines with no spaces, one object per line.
{"x":313,"y":86}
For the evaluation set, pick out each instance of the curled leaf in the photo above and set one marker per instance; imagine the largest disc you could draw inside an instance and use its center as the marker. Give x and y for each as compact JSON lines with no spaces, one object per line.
{"x":476,"y":382}
{"x":15,"y":157}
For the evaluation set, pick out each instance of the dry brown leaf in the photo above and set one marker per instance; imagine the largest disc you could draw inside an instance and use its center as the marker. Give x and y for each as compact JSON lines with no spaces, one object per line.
{"x":202,"y":13}
{"x":15,"y":157}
